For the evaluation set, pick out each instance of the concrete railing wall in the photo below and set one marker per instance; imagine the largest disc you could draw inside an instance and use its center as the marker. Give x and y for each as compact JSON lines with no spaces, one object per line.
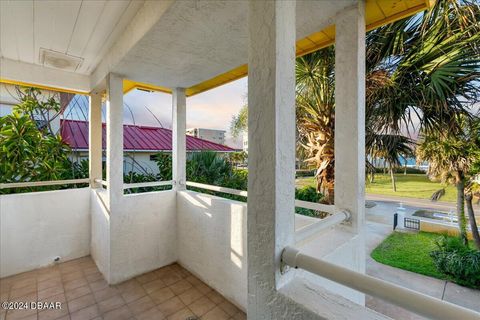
{"x":143,"y":234}
{"x":212,"y":242}
{"x":37,"y":227}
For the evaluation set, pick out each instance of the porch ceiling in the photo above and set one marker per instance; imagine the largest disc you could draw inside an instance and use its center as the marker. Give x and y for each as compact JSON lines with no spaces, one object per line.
{"x":197,"y":45}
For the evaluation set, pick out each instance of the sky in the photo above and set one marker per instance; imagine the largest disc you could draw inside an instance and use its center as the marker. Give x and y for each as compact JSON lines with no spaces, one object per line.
{"x":212,"y":109}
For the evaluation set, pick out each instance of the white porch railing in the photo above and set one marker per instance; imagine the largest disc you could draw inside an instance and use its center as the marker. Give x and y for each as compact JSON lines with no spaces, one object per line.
{"x":147,"y":184}
{"x":414,"y":301}
{"x":42,"y":183}
{"x":335,"y":218}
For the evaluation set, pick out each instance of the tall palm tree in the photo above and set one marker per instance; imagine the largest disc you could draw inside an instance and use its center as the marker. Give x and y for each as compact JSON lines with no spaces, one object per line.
{"x":315,"y":99}
{"x":421,"y":69}
{"x":451,"y":157}
{"x":390,"y":147}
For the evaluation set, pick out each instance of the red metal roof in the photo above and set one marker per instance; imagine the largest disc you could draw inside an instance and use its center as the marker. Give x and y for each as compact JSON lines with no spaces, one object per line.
{"x":135,"y":138}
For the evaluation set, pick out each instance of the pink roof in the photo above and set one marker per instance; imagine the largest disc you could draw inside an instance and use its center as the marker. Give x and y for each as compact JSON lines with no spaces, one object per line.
{"x":135,"y":138}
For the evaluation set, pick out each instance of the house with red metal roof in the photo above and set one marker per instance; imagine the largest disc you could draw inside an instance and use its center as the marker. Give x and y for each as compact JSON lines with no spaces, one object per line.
{"x":140,"y":144}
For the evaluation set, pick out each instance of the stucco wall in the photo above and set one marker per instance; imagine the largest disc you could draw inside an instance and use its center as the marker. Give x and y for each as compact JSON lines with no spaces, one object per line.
{"x":37,"y":227}
{"x":212,"y":242}
{"x":143,"y":234}
{"x":100,"y":245}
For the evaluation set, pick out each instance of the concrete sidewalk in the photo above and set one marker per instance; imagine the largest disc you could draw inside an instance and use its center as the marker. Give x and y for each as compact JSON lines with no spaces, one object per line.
{"x":441,"y":289}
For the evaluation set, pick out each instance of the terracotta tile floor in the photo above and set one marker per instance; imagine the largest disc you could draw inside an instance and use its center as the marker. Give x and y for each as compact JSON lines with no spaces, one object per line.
{"x":170,"y":293}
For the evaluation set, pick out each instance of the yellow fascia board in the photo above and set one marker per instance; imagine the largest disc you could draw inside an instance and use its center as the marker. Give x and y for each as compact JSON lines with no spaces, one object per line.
{"x":129,"y":85}
{"x":27,"y":84}
{"x":374,"y":16}
{"x":320,"y":40}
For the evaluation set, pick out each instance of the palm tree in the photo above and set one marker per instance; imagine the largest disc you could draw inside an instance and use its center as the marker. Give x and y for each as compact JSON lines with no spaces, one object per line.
{"x":451,"y":158}
{"x":315,"y":93}
{"x":424,"y":68}
{"x":391,"y":148}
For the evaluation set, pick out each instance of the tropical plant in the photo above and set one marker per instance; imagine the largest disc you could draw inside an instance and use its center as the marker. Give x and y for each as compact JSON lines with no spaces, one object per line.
{"x":451,"y":157}
{"x":239,"y":123}
{"x":458,"y":261}
{"x":315,"y":109}
{"x":30,"y":151}
{"x":390,"y":147}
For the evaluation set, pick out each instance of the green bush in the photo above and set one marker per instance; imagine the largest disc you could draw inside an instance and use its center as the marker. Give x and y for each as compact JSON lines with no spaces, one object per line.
{"x":457,"y":261}
{"x":304,"y":173}
{"x":310,"y":194}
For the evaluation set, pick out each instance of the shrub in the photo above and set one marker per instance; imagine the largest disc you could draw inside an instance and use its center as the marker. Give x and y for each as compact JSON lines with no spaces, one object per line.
{"x":304,"y":173}
{"x":310,"y":194}
{"x":458,"y":261}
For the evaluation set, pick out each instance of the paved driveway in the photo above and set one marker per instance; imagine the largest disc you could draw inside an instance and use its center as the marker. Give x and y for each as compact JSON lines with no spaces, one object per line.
{"x":441,"y":289}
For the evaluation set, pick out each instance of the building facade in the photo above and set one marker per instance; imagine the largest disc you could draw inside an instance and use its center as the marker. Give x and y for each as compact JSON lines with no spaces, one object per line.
{"x":213,"y":135}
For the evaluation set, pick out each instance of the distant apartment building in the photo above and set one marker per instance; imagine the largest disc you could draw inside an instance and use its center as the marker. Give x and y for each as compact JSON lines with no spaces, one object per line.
{"x":213,"y":135}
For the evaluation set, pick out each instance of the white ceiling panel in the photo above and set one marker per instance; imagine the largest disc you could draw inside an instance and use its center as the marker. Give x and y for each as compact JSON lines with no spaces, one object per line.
{"x":22,"y":11}
{"x":8,"y":39}
{"x":114,"y":18}
{"x":88,"y":17}
{"x":65,"y":19}
{"x":80,"y":28}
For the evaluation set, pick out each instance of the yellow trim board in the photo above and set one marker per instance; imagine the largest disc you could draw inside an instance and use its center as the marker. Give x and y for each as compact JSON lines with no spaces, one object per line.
{"x":26,"y":84}
{"x":377,"y":13}
{"x":375,"y":16}
{"x":129,"y":85}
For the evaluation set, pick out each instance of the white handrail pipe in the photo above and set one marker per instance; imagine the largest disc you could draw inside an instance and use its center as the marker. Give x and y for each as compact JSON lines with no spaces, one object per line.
{"x":321,"y":224}
{"x":42,"y":183}
{"x":146,"y":184}
{"x":414,"y":301}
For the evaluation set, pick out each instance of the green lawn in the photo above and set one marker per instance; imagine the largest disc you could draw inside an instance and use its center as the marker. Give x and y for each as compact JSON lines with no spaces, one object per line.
{"x":409,"y":186}
{"x":409,"y":251}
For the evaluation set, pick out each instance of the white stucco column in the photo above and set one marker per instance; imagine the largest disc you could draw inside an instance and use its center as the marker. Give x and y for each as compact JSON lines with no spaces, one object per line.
{"x":95,"y":138}
{"x":114,"y":138}
{"x":179,"y":147}
{"x":271,"y":154}
{"x":350,"y":114}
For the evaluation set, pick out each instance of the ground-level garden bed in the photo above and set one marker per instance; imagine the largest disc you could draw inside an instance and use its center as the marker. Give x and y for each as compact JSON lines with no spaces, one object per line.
{"x":431,"y":254}
{"x":409,"y":251}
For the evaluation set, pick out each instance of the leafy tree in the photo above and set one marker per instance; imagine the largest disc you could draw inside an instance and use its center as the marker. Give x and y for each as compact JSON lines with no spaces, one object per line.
{"x":239,"y":123}
{"x":451,"y":157}
{"x":30,"y":151}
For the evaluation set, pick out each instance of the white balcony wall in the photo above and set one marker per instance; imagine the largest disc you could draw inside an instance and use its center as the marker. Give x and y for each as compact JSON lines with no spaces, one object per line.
{"x":212,"y":242}
{"x":100,"y":245}
{"x":37,"y":227}
{"x":143,"y":234}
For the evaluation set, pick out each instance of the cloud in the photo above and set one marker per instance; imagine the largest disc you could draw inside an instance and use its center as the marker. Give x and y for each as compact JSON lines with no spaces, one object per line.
{"x":212,"y":109}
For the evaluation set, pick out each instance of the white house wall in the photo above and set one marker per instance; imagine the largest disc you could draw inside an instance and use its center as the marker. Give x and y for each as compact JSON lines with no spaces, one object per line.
{"x":37,"y":227}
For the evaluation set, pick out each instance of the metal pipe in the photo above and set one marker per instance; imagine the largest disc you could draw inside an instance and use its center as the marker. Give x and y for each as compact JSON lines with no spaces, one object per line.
{"x":218,"y":189}
{"x":321,"y":224}
{"x":41,"y":183}
{"x":146,"y":184}
{"x":409,"y":299}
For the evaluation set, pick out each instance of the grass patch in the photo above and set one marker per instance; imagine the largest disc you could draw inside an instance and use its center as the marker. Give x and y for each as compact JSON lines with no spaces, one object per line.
{"x":409,"y":251}
{"x":416,"y":186}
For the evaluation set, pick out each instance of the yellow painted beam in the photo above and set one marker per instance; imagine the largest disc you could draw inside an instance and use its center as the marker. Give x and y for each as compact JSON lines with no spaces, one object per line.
{"x":26,"y":84}
{"x":129,"y":85}
{"x":377,"y":14}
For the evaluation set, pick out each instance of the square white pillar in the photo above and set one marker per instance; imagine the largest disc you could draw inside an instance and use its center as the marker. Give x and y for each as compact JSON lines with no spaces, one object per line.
{"x":179,"y":146}
{"x":271,"y":156}
{"x":95,"y":138}
{"x":350,"y":114}
{"x":114,"y":139}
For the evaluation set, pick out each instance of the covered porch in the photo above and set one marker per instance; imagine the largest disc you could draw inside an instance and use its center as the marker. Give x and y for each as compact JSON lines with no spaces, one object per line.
{"x":212,"y":257}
